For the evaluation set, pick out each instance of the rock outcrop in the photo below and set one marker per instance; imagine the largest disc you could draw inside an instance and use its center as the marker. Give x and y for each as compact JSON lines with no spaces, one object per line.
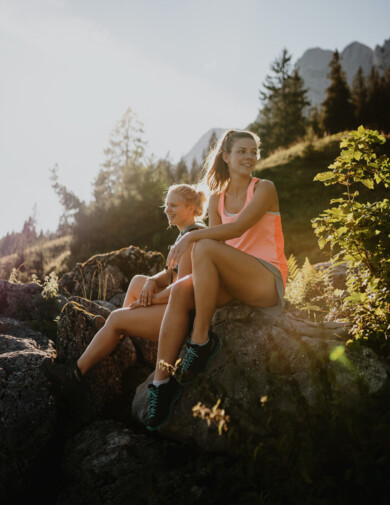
{"x":24,"y":302}
{"x":109,"y":464}
{"x":106,"y":275}
{"x":27,"y":408}
{"x":281,"y":358}
{"x":103,"y":386}
{"x":286,"y":361}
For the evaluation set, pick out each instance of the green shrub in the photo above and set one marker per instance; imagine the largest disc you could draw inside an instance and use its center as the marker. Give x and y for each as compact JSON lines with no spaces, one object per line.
{"x":359,"y":234}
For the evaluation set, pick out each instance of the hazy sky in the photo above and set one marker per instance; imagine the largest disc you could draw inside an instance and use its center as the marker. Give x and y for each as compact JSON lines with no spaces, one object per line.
{"x":70,"y":69}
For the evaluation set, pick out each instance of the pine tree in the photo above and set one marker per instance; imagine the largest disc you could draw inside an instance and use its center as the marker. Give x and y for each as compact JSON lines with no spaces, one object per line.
{"x":124,"y":155}
{"x":359,"y":98}
{"x":195,"y":171}
{"x":282,"y":121}
{"x":181,"y":172}
{"x":337,"y":107}
{"x":314,"y":122}
{"x":386,"y":82}
{"x":376,"y":101}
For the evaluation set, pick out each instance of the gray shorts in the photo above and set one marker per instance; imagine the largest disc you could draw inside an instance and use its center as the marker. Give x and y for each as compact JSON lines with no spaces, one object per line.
{"x":276,"y":310}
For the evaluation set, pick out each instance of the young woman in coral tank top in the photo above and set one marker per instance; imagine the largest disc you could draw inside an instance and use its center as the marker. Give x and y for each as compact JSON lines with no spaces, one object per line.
{"x":240,"y":256}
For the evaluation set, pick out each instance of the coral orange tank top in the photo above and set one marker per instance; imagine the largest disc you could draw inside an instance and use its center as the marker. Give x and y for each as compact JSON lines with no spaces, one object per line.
{"x":264,"y":239}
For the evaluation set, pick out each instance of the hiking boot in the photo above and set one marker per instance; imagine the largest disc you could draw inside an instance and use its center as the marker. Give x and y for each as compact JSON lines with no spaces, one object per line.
{"x":67,"y":380}
{"x":197,"y":358}
{"x":161,"y":398}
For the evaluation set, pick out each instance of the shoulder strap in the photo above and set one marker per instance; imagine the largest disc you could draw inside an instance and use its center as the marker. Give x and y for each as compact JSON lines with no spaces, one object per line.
{"x":195,"y":226}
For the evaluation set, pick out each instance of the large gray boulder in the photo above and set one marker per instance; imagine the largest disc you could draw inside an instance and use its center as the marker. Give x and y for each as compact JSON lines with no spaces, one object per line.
{"x":286,"y":360}
{"x":27,"y":410}
{"x":104,"y":387}
{"x":104,"y":276}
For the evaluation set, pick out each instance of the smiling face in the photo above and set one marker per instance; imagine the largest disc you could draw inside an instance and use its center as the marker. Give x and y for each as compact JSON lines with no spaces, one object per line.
{"x":243,"y":157}
{"x":178,"y":212}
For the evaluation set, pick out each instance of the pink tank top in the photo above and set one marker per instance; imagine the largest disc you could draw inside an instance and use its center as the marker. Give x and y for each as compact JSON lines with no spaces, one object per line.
{"x":264,"y":239}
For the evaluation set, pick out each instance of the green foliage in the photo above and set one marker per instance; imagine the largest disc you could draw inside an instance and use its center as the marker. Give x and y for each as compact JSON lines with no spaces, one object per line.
{"x":308,"y":288}
{"x":128,"y":197}
{"x":50,"y":286}
{"x":358,"y":233}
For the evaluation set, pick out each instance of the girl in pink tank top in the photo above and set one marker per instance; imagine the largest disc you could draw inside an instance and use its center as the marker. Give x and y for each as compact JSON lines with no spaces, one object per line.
{"x":240,"y":256}
{"x":264,"y":239}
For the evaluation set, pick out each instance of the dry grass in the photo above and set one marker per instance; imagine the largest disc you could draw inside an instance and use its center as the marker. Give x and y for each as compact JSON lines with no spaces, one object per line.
{"x":53,"y":253}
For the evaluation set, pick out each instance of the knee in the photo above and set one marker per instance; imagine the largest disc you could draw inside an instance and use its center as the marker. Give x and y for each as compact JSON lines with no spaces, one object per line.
{"x":113,"y":319}
{"x":182,"y":292}
{"x":203,"y":248}
{"x":137,"y":282}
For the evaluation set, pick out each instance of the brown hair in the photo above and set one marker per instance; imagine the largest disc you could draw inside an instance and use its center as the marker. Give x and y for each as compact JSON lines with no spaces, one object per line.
{"x":191,"y":195}
{"x":215,"y":169}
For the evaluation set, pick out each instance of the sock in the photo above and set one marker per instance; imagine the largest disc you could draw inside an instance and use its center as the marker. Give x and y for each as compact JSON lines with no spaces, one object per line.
{"x":159,"y":383}
{"x":76,"y":372}
{"x":201,"y":345}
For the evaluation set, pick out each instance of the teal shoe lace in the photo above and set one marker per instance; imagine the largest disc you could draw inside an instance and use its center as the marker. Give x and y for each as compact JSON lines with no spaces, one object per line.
{"x":189,"y":358}
{"x":153,"y":398}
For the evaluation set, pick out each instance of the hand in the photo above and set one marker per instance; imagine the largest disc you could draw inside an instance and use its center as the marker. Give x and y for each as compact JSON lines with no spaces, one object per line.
{"x":135,"y":305}
{"x":146,"y":296}
{"x":177,"y":250}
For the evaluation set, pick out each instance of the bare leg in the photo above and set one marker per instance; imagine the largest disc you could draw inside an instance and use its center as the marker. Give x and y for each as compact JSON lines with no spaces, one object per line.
{"x":134,"y":289}
{"x":142,"y":322}
{"x":217,"y":265}
{"x":175,"y":324}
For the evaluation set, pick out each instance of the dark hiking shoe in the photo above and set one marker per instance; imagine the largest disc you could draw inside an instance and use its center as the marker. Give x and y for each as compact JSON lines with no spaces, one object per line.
{"x":197,"y":358}
{"x":67,"y":380}
{"x":161,"y":398}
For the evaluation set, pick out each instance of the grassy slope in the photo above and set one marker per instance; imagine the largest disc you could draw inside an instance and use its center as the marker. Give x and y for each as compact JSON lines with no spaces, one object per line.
{"x":292,"y":170}
{"x":53,"y":253}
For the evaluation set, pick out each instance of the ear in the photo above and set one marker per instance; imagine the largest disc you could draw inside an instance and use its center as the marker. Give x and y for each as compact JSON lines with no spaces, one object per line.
{"x":225,"y":157}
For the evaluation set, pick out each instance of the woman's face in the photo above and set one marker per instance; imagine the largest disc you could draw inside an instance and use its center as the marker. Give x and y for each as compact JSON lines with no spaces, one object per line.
{"x":243,"y":157}
{"x":177,"y":211}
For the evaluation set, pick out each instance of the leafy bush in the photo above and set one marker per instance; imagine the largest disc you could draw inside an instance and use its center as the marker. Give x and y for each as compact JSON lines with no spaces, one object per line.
{"x":358,"y":234}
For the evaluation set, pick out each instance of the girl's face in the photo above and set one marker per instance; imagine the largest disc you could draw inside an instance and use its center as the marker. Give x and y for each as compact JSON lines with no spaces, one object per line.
{"x":243,"y":157}
{"x":177,"y":211}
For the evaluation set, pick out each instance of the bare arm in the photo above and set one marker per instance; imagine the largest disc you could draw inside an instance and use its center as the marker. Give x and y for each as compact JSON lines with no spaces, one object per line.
{"x":214,"y":217}
{"x":264,"y":198}
{"x":162,"y":296}
{"x":162,"y":279}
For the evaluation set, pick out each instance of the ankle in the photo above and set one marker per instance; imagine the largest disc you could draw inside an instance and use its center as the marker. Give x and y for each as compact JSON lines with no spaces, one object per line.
{"x":199,"y":338}
{"x":78,"y":373}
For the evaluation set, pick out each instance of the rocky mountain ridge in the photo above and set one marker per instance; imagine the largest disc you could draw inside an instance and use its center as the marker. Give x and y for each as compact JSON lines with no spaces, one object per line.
{"x":313,"y":66}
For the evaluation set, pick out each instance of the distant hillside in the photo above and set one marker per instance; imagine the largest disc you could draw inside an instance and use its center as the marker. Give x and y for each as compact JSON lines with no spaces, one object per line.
{"x":40,"y":260}
{"x":292,"y":171}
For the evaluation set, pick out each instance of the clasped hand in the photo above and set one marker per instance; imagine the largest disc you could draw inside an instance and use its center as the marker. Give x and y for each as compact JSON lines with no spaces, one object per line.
{"x":146,"y":296}
{"x":177,"y":251}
